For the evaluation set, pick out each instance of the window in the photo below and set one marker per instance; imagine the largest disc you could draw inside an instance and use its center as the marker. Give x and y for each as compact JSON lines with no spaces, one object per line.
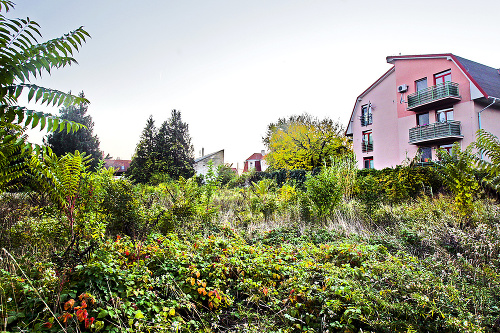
{"x":445,"y":115}
{"x":442,"y":77}
{"x":423,"y":119}
{"x":368,"y":162}
{"x":421,"y":84}
{"x":447,"y":148}
{"x":426,"y":154}
{"x":367,"y":142}
{"x":366,"y":115}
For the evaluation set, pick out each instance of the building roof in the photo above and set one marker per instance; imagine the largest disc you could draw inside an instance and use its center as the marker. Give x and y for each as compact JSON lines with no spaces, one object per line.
{"x":207,"y":156}
{"x":487,"y":77}
{"x":255,"y":156}
{"x":121,"y":165}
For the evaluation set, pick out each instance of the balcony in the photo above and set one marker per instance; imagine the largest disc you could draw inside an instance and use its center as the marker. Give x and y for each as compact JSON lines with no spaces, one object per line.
{"x":366,"y":146}
{"x":366,"y":119}
{"x":435,"y":132}
{"x":438,"y":95}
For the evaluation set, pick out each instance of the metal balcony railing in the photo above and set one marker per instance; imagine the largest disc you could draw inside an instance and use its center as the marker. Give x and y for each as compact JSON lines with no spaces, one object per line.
{"x":443,"y":91}
{"x":366,"y":119}
{"x":435,"y":131}
{"x":366,"y":146}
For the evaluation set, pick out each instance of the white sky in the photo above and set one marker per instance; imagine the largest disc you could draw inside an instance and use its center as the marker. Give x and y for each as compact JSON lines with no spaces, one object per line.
{"x":232,"y":67}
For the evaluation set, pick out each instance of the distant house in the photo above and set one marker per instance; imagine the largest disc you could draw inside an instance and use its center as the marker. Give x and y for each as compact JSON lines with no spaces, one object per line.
{"x":120,"y":166}
{"x":201,"y":164}
{"x":256,"y":161}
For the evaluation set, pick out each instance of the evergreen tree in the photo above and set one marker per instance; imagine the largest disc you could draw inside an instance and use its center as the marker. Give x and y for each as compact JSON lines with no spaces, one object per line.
{"x":174,"y":149}
{"x":83,"y":140}
{"x":143,"y":162}
{"x":167,"y":151}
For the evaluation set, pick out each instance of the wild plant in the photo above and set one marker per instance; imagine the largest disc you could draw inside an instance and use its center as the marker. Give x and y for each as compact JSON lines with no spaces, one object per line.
{"x":458,"y":168}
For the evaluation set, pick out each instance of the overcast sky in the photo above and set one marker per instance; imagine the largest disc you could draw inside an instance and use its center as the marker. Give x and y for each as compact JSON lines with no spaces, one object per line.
{"x":232,"y":67}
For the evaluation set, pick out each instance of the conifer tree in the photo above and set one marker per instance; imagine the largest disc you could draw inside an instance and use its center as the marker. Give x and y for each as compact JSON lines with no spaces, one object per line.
{"x":62,"y":142}
{"x":174,"y":149}
{"x":144,"y":160}
{"x":167,"y":150}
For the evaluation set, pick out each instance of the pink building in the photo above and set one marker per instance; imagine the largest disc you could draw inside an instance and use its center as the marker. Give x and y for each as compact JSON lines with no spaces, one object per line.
{"x":422,"y":103}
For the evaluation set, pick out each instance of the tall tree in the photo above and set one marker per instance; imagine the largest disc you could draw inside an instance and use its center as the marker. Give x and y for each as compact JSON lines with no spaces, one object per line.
{"x":22,"y":58}
{"x":83,"y":140}
{"x":174,"y":149}
{"x":304,"y":142}
{"x":143,"y":162}
{"x":168,"y":151}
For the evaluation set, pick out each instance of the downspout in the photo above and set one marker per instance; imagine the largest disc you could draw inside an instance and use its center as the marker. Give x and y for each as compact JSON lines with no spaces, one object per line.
{"x":479,"y":114}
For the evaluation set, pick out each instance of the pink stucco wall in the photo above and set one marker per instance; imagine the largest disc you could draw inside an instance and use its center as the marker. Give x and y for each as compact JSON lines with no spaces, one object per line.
{"x":384,"y":128}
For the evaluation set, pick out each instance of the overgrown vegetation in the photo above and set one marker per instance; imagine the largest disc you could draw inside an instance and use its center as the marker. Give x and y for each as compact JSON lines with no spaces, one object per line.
{"x":327,"y":249}
{"x":185,"y":257}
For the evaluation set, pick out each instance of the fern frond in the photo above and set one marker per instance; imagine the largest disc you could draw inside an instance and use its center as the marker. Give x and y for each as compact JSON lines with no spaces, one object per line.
{"x":12,"y":155}
{"x":488,"y":145}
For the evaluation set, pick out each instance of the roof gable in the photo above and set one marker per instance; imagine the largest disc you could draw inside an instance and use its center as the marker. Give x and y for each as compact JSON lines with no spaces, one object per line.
{"x":255,"y":156}
{"x":205,"y":157}
{"x":485,"y":78}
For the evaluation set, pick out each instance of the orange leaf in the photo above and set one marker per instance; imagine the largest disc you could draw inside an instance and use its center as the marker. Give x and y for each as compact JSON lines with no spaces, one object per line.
{"x":69,"y":304}
{"x":84,"y":304}
{"x":265,"y":291}
{"x":65,"y":316}
{"x":81,"y":315}
{"x":197,"y":274}
{"x":89,"y":322}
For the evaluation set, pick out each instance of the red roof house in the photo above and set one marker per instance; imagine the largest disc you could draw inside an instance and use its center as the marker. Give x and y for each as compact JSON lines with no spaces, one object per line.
{"x":120,"y":166}
{"x":256,"y":161}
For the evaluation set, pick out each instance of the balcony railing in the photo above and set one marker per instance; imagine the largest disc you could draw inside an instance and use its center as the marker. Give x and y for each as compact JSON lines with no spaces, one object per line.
{"x":366,"y":146}
{"x":366,"y":119}
{"x":435,"y":131}
{"x":440,"y":93}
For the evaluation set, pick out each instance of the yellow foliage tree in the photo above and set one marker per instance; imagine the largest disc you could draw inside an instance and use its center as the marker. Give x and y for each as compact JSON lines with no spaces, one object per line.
{"x":304,"y":142}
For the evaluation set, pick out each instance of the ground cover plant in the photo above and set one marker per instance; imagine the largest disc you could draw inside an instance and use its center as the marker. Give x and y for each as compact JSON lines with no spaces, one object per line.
{"x":185,"y":257}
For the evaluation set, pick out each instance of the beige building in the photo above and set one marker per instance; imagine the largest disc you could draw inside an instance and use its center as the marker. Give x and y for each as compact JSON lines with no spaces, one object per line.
{"x":201,"y":164}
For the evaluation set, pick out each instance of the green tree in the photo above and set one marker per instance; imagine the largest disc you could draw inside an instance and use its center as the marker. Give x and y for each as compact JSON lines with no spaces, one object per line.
{"x":83,"y":140}
{"x":166,"y":151}
{"x":143,"y":163}
{"x":22,"y":59}
{"x":304,"y":142}
{"x":174,"y":150}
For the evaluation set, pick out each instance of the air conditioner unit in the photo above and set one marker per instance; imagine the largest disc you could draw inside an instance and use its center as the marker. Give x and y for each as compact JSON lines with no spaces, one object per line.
{"x":402,"y":88}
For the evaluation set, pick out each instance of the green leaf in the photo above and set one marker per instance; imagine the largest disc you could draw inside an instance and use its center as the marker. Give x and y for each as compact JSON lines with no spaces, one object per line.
{"x":31,"y":94}
{"x":139,"y":315}
{"x":103,"y":313}
{"x":39,"y":94}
